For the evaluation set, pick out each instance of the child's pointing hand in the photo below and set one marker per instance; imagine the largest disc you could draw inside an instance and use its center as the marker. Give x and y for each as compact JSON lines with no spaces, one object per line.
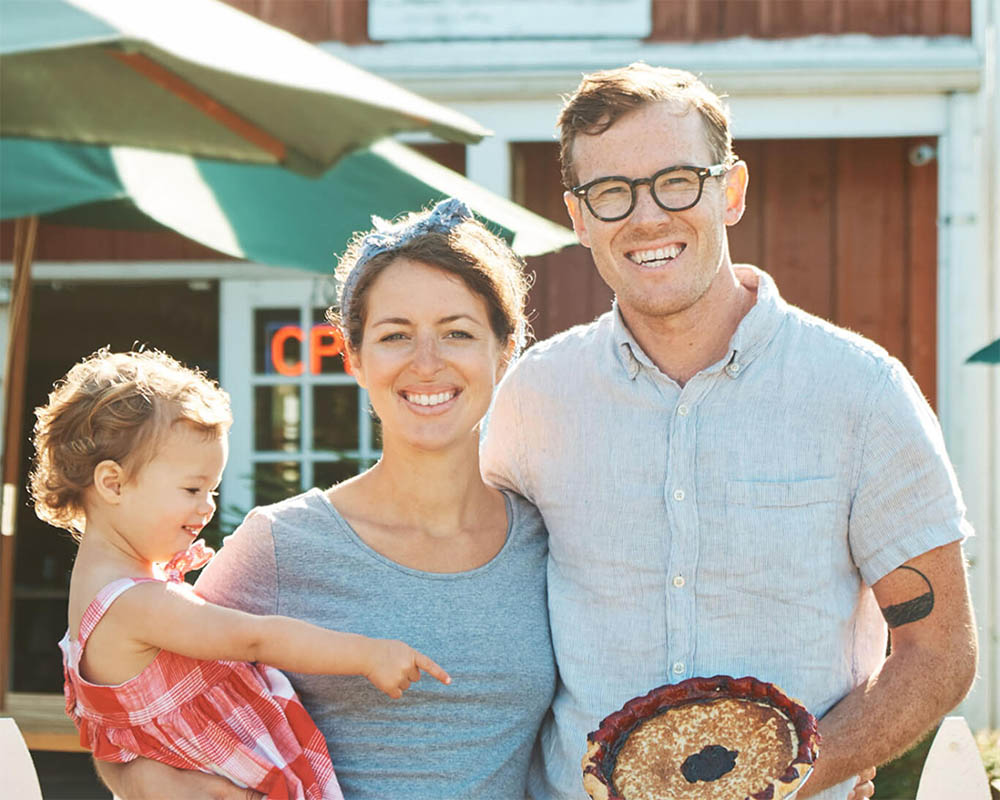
{"x":394,"y":666}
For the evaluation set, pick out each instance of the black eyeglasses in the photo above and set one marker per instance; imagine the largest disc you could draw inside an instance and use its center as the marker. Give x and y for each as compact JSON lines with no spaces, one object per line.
{"x":674,"y":189}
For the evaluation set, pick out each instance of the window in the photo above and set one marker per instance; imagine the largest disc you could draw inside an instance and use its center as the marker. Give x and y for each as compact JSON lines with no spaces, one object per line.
{"x":300,"y":420}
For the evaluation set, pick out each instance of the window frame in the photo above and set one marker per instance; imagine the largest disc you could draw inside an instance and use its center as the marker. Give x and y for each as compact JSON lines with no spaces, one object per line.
{"x":238,"y":302}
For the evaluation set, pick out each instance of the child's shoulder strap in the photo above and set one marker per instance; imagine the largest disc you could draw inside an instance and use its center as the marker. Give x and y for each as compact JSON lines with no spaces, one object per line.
{"x":102,"y":603}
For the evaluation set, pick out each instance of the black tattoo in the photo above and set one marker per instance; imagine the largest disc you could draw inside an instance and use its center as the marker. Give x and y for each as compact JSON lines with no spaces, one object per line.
{"x":911,"y":610}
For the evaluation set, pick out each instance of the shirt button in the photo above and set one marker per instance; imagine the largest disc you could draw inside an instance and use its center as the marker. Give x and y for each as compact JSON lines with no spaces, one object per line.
{"x":678,"y":668}
{"x":678,"y":494}
{"x":683,"y":410}
{"x":733,"y":370}
{"x":679,"y":581}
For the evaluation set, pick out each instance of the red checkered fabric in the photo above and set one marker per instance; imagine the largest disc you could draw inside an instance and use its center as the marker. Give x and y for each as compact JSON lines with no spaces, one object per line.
{"x":242,"y":721}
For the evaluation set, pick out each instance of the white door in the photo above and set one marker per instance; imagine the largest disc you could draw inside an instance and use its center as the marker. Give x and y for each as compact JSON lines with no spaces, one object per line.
{"x":299,"y":419}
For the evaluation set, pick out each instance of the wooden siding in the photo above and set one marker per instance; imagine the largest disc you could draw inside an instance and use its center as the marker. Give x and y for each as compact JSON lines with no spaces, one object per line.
{"x":705,"y":20}
{"x":674,"y":20}
{"x":567,"y":289}
{"x":448,"y":154}
{"x":313,"y":20}
{"x":72,"y":243}
{"x":847,"y":228}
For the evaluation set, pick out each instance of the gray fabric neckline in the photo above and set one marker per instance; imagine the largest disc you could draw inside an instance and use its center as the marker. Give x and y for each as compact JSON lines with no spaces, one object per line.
{"x":353,"y":536}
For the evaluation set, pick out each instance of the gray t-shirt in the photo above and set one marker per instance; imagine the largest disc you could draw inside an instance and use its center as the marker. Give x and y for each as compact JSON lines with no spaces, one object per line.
{"x":488,"y":627}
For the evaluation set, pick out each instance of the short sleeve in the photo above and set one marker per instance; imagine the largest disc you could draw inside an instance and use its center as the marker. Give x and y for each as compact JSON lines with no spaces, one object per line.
{"x":500,"y":451}
{"x":907,"y":500}
{"x":243,"y":574}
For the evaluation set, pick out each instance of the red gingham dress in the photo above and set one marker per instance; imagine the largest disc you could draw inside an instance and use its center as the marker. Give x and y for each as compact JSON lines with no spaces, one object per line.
{"x":242,"y":721}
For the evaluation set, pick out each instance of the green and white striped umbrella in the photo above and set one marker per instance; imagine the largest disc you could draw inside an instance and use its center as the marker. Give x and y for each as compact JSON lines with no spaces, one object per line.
{"x":258,"y":212}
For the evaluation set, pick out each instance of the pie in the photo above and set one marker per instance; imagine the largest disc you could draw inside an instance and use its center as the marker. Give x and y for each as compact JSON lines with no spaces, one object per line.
{"x":715,"y":738}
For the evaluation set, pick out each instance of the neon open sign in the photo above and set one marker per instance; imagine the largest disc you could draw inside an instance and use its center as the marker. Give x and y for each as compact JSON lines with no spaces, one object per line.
{"x":324,"y":341}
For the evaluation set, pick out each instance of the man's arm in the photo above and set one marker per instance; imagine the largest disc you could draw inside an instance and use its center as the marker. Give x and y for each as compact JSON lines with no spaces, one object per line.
{"x":932,"y":665}
{"x":143,"y":779}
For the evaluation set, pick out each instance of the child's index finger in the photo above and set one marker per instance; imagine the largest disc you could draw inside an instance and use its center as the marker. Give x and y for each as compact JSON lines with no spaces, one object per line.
{"x":432,"y":669}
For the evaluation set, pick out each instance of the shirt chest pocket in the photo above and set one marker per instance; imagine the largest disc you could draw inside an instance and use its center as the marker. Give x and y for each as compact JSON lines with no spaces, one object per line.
{"x":781,"y":534}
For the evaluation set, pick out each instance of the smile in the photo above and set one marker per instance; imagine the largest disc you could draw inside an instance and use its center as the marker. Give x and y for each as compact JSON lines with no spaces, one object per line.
{"x":657,"y":257}
{"x":429,"y":400}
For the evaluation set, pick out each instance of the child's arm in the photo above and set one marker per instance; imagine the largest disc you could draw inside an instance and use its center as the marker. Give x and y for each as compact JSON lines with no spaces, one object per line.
{"x":172,"y":617}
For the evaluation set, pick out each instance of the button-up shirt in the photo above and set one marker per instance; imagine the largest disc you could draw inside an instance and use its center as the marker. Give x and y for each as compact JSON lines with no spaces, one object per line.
{"x":730,"y":526}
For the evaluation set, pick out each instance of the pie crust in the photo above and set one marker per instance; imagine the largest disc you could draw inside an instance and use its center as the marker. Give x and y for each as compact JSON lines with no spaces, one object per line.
{"x":718,"y":738}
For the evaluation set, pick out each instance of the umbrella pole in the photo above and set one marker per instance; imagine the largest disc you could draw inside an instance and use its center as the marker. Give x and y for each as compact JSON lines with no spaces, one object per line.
{"x":15,"y":369}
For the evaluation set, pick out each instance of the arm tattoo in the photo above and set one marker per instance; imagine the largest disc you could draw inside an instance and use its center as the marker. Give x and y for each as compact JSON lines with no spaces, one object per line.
{"x":911,"y":610}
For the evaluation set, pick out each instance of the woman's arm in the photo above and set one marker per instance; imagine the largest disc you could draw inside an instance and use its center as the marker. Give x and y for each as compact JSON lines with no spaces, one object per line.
{"x":244,"y":573}
{"x":170,"y":616}
{"x":143,"y":779}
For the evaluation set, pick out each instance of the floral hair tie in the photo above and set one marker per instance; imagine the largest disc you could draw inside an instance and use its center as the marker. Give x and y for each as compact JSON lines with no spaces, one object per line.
{"x":389,"y":236}
{"x":195,"y":557}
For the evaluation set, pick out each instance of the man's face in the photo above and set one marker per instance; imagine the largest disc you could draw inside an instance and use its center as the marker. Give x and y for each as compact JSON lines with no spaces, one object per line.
{"x":659,"y":263}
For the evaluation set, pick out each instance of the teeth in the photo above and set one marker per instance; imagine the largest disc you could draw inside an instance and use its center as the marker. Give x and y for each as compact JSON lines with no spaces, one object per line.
{"x":430,"y":399}
{"x":659,"y":254}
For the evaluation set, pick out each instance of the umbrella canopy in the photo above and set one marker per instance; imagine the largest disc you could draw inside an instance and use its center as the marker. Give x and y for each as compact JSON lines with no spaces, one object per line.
{"x":197,"y":77}
{"x":260,"y":213}
{"x":987,"y":355}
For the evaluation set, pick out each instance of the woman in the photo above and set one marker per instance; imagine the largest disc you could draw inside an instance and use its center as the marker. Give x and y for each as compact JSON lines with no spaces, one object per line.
{"x":418,"y":547}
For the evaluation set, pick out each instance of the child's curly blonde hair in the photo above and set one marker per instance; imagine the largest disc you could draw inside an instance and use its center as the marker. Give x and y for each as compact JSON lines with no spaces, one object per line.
{"x":114,"y":406}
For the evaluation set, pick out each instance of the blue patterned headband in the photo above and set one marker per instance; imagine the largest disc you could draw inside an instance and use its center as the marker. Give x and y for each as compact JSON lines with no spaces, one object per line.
{"x":389,"y":236}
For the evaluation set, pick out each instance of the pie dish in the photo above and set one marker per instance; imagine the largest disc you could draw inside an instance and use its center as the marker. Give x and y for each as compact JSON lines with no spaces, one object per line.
{"x":717,"y":738}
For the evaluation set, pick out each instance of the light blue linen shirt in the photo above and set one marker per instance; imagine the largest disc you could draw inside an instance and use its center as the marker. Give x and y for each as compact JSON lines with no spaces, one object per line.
{"x":732,"y":526}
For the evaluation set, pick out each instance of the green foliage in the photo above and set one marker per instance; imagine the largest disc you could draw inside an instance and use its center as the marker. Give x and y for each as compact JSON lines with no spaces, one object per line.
{"x":898,"y":780}
{"x":989,"y":746}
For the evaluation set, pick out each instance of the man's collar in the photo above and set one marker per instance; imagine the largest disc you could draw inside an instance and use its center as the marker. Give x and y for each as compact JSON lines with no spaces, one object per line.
{"x":761,"y":322}
{"x":752,"y":335}
{"x":629,"y":353}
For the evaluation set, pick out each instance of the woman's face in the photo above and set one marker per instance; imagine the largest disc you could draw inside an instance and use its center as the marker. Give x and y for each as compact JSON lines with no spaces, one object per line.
{"x":428,"y":357}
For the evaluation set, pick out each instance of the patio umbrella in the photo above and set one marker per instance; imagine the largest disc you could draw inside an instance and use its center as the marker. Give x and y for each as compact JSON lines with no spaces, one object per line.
{"x":197,"y":77}
{"x":258,"y":212}
{"x":190,"y":76}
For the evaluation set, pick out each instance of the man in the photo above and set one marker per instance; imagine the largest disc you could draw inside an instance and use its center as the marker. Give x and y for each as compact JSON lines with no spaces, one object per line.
{"x":730,"y":485}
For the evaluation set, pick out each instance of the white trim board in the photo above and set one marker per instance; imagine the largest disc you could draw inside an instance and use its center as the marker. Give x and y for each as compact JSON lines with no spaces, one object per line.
{"x":754,"y":117}
{"x":154,"y":271}
{"x":545,"y":68}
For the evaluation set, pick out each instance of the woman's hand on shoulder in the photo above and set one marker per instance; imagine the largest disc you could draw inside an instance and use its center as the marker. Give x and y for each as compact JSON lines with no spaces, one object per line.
{"x":144,"y":779}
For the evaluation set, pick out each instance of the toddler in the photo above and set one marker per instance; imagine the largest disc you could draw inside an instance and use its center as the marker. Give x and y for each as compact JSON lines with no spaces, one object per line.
{"x":128,"y":453}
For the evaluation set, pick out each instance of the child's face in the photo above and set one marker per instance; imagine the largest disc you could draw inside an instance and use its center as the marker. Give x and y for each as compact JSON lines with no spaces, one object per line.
{"x":165,"y":506}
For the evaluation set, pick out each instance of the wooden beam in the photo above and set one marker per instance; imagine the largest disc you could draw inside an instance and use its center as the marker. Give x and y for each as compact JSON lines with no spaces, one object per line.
{"x":15,"y":370}
{"x":43,"y":722}
{"x":179,"y":87}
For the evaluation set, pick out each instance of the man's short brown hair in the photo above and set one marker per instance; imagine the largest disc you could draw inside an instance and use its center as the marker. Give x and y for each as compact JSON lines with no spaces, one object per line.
{"x":605,"y":96}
